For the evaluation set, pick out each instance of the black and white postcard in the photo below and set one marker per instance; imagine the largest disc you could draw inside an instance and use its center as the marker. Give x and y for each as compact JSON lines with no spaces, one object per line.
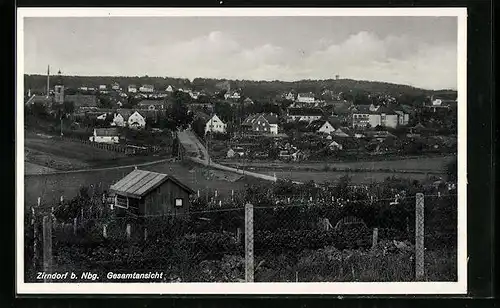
{"x":241,"y":151}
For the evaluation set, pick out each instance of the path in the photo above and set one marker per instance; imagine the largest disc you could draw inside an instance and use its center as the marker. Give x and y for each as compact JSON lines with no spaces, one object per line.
{"x":197,"y":152}
{"x":102,"y":169}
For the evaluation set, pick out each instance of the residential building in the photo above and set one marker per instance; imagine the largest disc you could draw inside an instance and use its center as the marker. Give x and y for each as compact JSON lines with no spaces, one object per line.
{"x":304,"y":114}
{"x":248,"y":101}
{"x":105,"y":135}
{"x":136,"y":121}
{"x":147,"y":88}
{"x":289,"y":96}
{"x":372,"y":116}
{"x":261,"y":123}
{"x":215,"y":125}
{"x":146,"y":193}
{"x":115,"y":86}
{"x":169,"y":89}
{"x":102,"y":87}
{"x":321,"y":126}
{"x":150,"y":104}
{"x":132,"y":88}
{"x":305,"y":97}
{"x":439,"y":102}
{"x":232,"y":95}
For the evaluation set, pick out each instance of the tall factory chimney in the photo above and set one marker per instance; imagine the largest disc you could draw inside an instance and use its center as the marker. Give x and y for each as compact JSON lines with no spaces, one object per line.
{"x":48,"y":80}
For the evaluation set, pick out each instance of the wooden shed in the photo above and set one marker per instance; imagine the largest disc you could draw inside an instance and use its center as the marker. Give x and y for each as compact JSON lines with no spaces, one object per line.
{"x":146,"y":193}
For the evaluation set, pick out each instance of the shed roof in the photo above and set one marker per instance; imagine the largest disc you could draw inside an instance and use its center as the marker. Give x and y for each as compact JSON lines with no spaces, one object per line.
{"x":139,"y":183}
{"x":113,"y":131}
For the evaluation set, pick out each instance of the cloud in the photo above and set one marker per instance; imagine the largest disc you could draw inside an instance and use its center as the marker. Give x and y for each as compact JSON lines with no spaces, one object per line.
{"x":363,"y":55}
{"x":217,"y":54}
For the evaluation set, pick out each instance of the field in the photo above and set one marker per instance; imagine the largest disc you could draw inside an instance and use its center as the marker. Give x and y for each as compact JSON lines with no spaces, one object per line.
{"x":51,"y":186}
{"x":332,"y":176}
{"x":411,"y":164}
{"x":62,"y":154}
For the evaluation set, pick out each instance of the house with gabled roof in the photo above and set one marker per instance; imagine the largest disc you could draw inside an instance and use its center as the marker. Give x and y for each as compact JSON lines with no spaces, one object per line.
{"x":322,"y":125}
{"x":105,"y":135}
{"x":147,"y":193}
{"x":215,"y":125}
{"x":372,"y":116}
{"x":266,"y":123}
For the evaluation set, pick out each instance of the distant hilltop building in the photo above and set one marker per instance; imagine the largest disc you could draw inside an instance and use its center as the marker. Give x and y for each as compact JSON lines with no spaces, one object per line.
{"x":132,"y":88}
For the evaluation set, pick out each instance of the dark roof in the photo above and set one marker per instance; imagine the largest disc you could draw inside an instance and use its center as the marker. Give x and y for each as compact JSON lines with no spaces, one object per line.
{"x":310,"y":95}
{"x":271,"y":118}
{"x":139,"y":183}
{"x":316,"y":124}
{"x":365,"y":109}
{"x":147,"y":102}
{"x":113,"y":131}
{"x":125,"y":113}
{"x":305,"y":111}
{"x":39,"y":99}
{"x":82,"y":100}
{"x":250,"y":119}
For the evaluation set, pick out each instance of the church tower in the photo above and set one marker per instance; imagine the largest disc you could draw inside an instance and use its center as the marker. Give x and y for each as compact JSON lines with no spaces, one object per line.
{"x":59,"y":90}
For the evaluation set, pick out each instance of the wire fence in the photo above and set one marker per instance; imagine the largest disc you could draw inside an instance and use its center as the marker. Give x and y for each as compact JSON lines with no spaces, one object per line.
{"x":285,"y":237}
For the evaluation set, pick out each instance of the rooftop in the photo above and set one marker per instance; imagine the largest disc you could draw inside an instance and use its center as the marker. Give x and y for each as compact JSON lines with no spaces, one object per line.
{"x":139,"y":183}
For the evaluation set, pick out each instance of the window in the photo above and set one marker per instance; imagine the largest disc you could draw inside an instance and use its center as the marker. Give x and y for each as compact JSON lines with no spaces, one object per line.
{"x":178,"y":202}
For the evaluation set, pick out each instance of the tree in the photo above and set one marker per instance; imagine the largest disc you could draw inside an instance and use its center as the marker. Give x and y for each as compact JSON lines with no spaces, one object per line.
{"x":198,"y":127}
{"x":451,"y":169}
{"x":69,"y":107}
{"x":178,"y":115}
{"x":224,"y":111}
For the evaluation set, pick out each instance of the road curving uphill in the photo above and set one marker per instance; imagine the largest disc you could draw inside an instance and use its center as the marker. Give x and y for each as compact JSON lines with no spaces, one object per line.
{"x":199,"y":154}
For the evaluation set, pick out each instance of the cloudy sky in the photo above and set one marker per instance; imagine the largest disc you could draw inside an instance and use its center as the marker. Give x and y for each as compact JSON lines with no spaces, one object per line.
{"x":419,"y":51}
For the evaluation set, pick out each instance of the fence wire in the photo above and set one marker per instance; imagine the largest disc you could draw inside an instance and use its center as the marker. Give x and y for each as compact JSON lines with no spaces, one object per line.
{"x":366,"y":235}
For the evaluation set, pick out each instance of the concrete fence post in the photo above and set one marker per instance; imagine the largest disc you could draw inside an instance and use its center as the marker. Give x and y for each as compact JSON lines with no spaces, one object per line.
{"x":75,"y":221}
{"x":375,"y":238}
{"x":47,"y":245}
{"x":249,"y":252}
{"x":128,"y":231}
{"x":419,"y":237}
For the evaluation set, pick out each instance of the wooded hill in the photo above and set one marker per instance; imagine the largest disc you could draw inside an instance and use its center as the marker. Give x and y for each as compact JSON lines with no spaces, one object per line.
{"x":251,"y":88}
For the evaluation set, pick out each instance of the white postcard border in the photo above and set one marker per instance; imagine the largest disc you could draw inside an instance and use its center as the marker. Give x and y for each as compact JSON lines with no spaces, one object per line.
{"x":396,"y":288}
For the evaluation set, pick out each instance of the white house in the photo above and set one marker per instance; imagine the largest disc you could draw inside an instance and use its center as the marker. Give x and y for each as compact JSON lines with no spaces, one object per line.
{"x":132,"y":88}
{"x":289,"y":96}
{"x":305,"y":97}
{"x":232,"y":95}
{"x":105,"y":135}
{"x":118,"y":120}
{"x":102,"y":116}
{"x":170,"y":89}
{"x":215,"y":125}
{"x":147,"y":88}
{"x":102,"y":87}
{"x":136,"y":120}
{"x":115,"y":86}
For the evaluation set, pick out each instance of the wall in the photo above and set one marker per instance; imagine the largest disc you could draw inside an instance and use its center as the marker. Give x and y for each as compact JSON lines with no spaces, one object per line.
{"x":162,"y":200}
{"x":104,"y":139}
